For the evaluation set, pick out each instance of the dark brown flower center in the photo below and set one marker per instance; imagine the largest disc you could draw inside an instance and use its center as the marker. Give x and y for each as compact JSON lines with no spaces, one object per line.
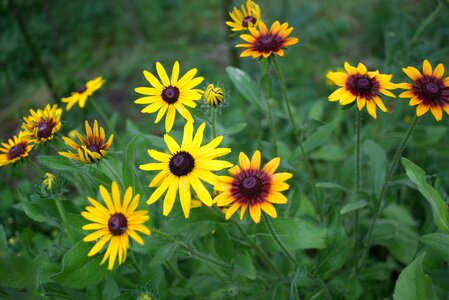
{"x":250,"y":186}
{"x":170,"y":94}
{"x":82,"y":89}
{"x":117,"y":224}
{"x":248,"y":20}
{"x":181,"y":163}
{"x":267,"y":43}
{"x":432,"y":90}
{"x":362,"y":86}
{"x":16,"y":151}
{"x":44,"y":130}
{"x":94,"y":148}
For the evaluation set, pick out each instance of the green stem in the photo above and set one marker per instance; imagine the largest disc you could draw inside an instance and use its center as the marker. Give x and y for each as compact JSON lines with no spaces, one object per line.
{"x":87,"y":186}
{"x":388,"y":176}
{"x":279,"y":242}
{"x":191,"y":251}
{"x":426,"y":22}
{"x":36,"y":168}
{"x":64,"y":219}
{"x":358,"y":172}
{"x":212,"y":121}
{"x":261,"y":252}
{"x":298,"y":139}
{"x":111,"y":170}
{"x":105,"y":118}
{"x":267,"y":96}
{"x":324,"y":288}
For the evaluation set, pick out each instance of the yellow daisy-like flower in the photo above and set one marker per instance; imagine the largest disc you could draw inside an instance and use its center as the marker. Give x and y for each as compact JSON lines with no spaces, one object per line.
{"x":363,"y":85}
{"x":214,"y":96}
{"x":251,"y":187}
{"x":248,"y":16}
{"x":429,"y":90}
{"x":170,"y":94}
{"x":115,"y":223}
{"x":91,"y":148}
{"x":15,"y":149}
{"x":266,"y":43}
{"x":186,"y":166}
{"x":42,"y":125}
{"x":83,"y":93}
{"x":49,"y":180}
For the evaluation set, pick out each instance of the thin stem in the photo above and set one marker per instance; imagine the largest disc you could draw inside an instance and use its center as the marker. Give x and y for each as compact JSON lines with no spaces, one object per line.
{"x":324,"y":288}
{"x":358,"y":172}
{"x":191,"y":251}
{"x":212,"y":121}
{"x":64,"y":219}
{"x":267,"y":95}
{"x":298,"y":139}
{"x":426,"y":23}
{"x":388,"y":176}
{"x":86,"y":185}
{"x":261,"y":252}
{"x":111,"y":170}
{"x":278,"y":241}
{"x":36,"y":168}
{"x":105,"y":118}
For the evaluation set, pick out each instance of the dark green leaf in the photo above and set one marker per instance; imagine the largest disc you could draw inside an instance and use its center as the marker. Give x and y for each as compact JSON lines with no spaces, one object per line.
{"x":128,"y":167}
{"x":353,"y":206}
{"x":438,"y":206}
{"x":243,"y":266}
{"x":319,"y":137}
{"x":234,"y":129}
{"x":3,"y":241}
{"x":266,"y":85}
{"x":57,"y":163}
{"x":222,"y":243}
{"x":331,"y":185}
{"x":17,"y":272}
{"x":438,"y":242}
{"x":378,"y":164}
{"x":246,"y":86}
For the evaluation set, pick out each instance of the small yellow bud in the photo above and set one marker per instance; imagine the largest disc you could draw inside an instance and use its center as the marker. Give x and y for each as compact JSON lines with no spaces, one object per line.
{"x":214,"y":96}
{"x":49,"y":180}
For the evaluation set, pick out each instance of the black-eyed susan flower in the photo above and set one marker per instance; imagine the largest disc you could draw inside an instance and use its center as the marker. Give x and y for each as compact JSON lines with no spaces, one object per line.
{"x":247,"y":16}
{"x":115,"y":223}
{"x":49,"y":181}
{"x":429,"y":90}
{"x":169,"y":95}
{"x":213,"y":95}
{"x":362,"y":85}
{"x":83,"y":93}
{"x":15,"y":149}
{"x":266,"y":43}
{"x":250,"y":187}
{"x":187,"y":165}
{"x":91,"y":148}
{"x":42,"y":124}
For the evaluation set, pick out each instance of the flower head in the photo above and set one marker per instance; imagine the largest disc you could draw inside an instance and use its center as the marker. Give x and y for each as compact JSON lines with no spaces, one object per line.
{"x":187,"y":165}
{"x":115,"y":223}
{"x":170,"y":94}
{"x":83,"y":93}
{"x":244,"y":18}
{"x":266,"y":43}
{"x":15,"y":149}
{"x":42,"y":125}
{"x":49,"y":180}
{"x":363,"y":85}
{"x":251,"y":187}
{"x":91,"y":148}
{"x":214,"y":96}
{"x":429,"y":90}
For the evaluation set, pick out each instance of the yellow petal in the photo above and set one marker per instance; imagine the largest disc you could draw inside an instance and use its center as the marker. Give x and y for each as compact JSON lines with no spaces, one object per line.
{"x":427,"y":68}
{"x":254,"y":212}
{"x":170,"y":197}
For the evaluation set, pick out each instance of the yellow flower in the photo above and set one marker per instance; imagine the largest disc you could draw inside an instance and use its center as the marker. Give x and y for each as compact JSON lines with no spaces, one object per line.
{"x":91,"y":148}
{"x":363,"y":85}
{"x":83,"y":93}
{"x":115,"y":223}
{"x":186,"y":166}
{"x":42,"y":125}
{"x":266,"y":43}
{"x":15,"y":149}
{"x":170,"y":94}
{"x":251,"y":187}
{"x":49,"y":180}
{"x":429,"y":90}
{"x":214,"y":96}
{"x":247,"y":16}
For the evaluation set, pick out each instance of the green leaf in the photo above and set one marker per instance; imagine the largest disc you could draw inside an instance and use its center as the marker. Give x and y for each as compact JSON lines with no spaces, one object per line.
{"x":338,"y":249}
{"x":378,"y":164}
{"x":352,"y":206}
{"x":243,"y":266}
{"x":297,"y":234}
{"x":266,"y":85}
{"x":44,"y":210}
{"x":222,"y":243}
{"x":80,"y":270}
{"x":129,"y":176}
{"x":57,"y":163}
{"x":164,"y":253}
{"x":319,"y":137}
{"x":234,"y":128}
{"x":17,"y":272}
{"x":438,"y":242}
{"x":246,"y":86}
{"x":110,"y":290}
{"x":331,"y":186}
{"x":439,"y":208}
{"x":413,"y":283}
{"x":3,"y":241}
